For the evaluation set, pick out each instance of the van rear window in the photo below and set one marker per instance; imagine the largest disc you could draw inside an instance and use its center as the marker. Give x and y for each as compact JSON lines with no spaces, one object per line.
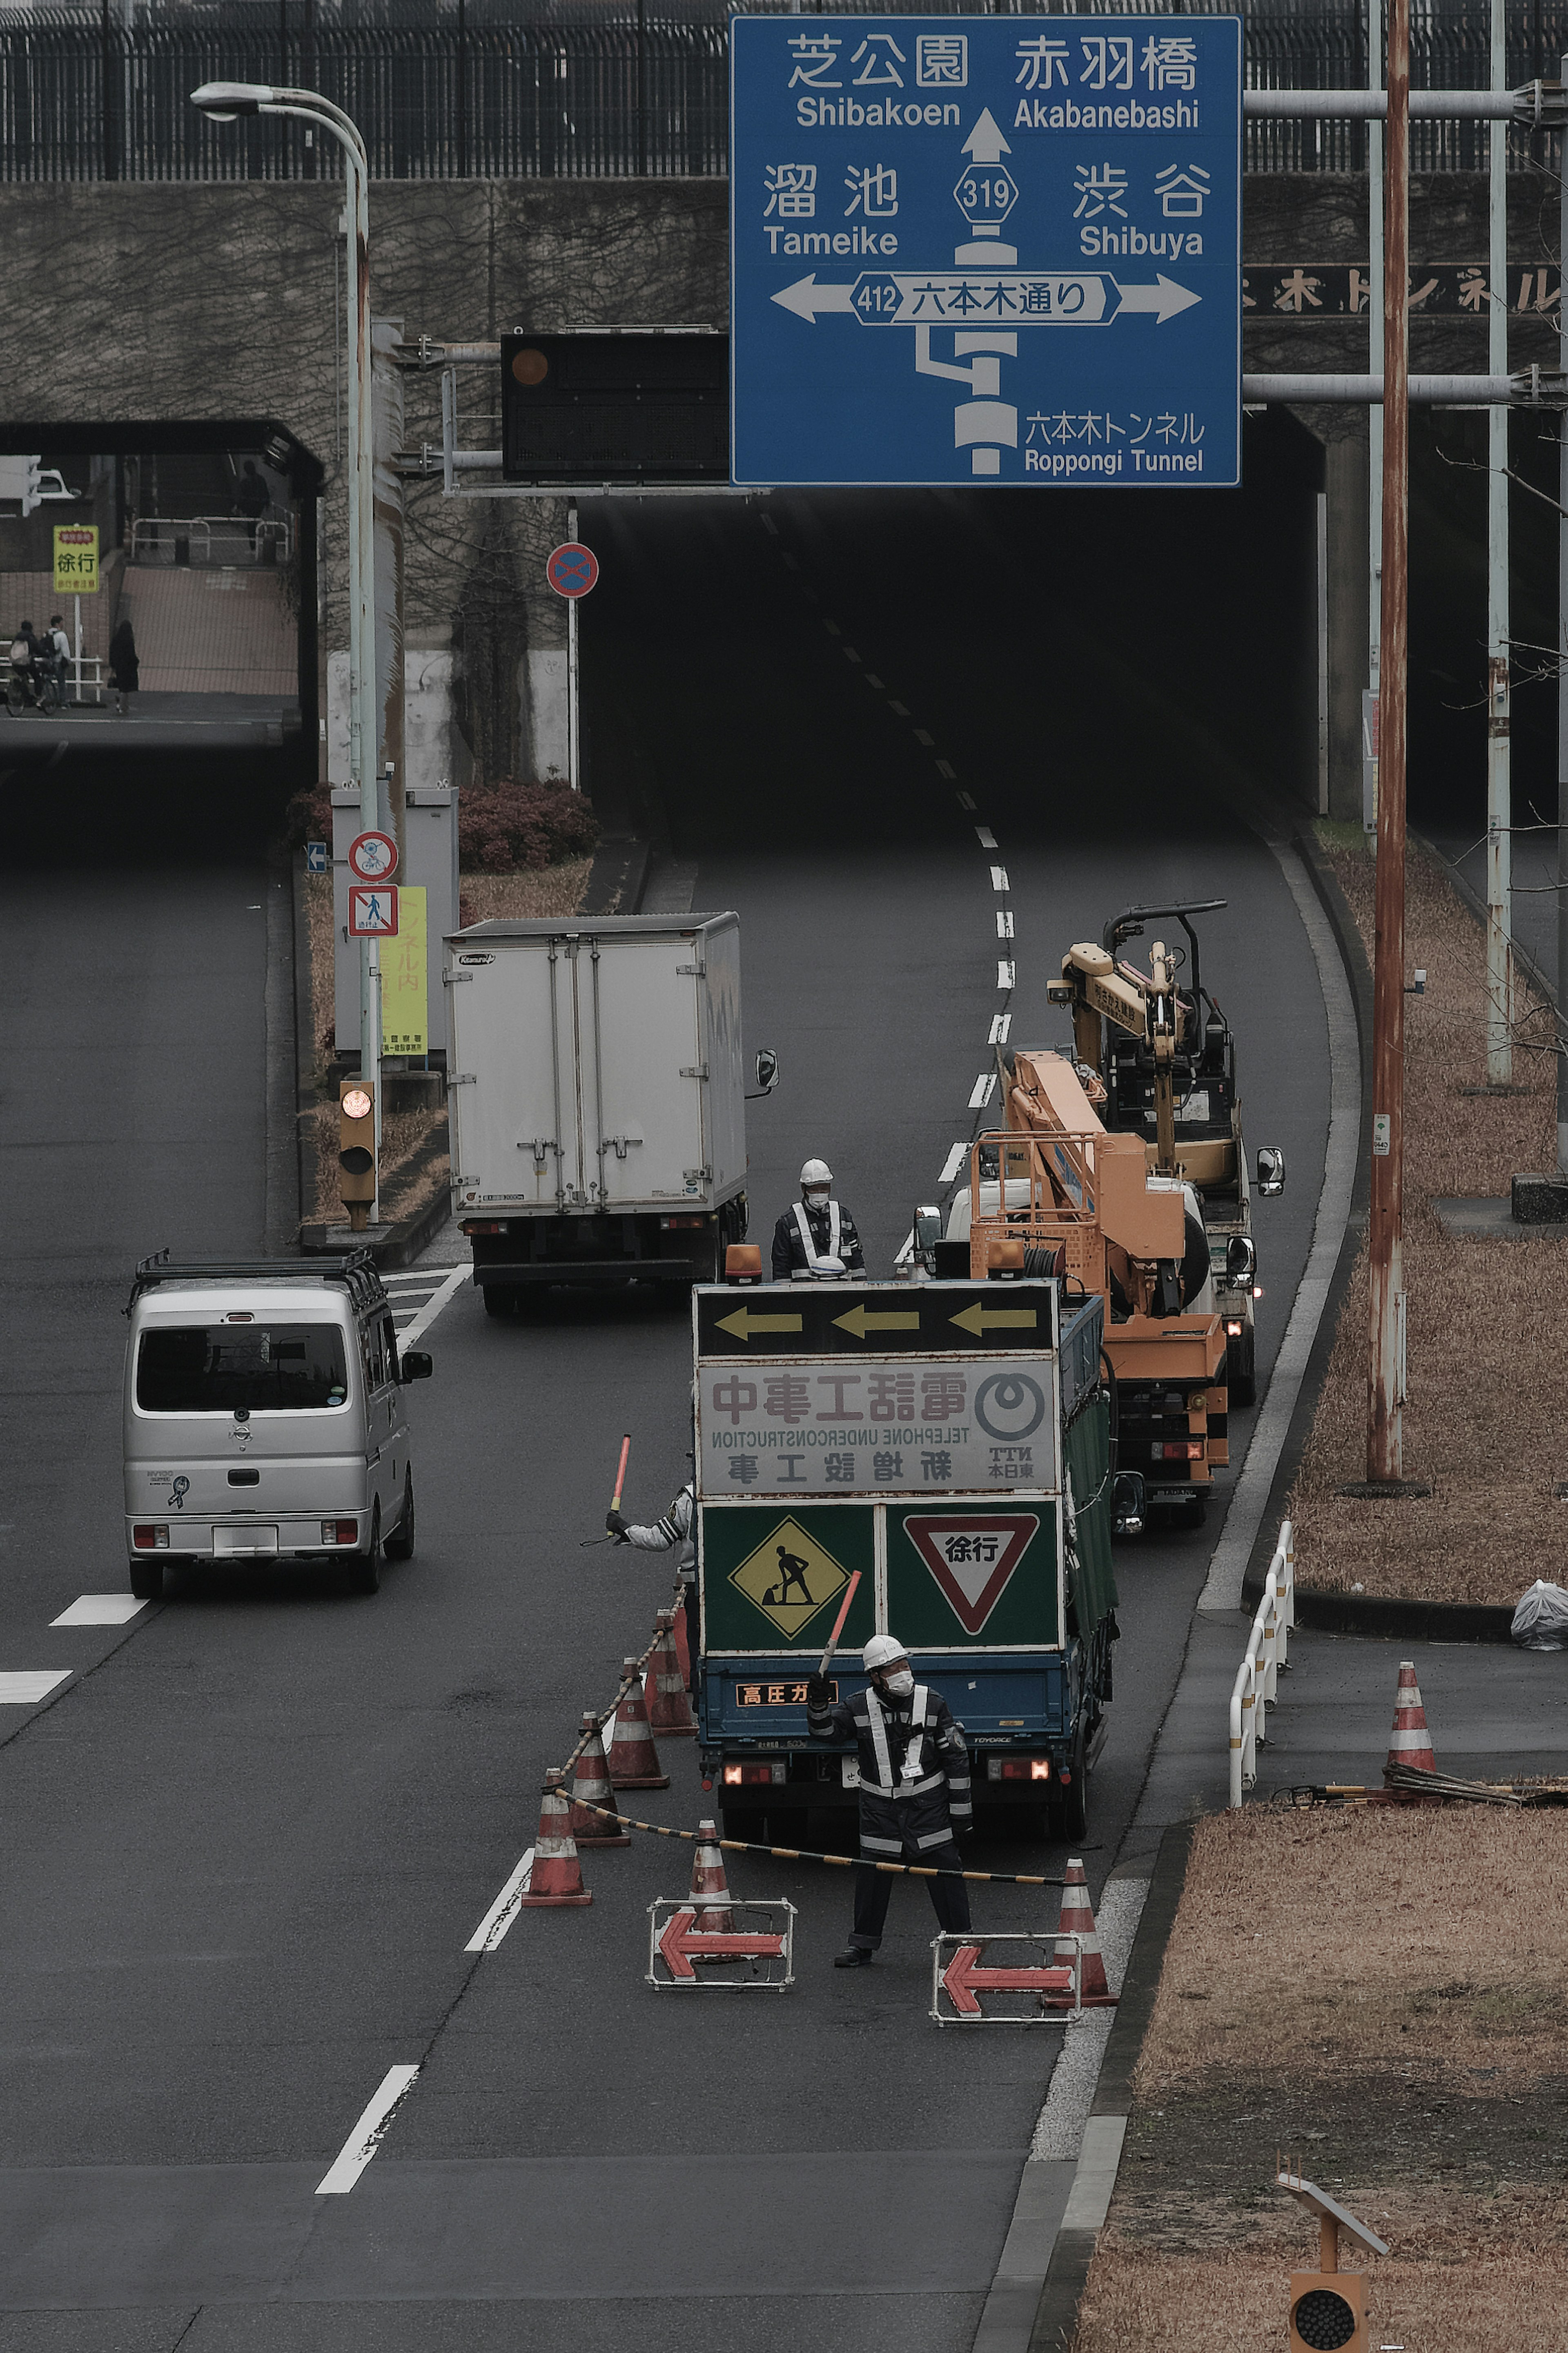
{"x":213,"y":1368}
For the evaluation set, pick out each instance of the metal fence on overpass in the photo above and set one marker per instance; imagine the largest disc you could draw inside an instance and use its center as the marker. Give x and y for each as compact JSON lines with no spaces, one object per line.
{"x":582,"y":89}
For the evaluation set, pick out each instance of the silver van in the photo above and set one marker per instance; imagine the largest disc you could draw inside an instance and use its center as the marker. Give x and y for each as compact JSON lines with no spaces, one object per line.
{"x":264,"y":1418}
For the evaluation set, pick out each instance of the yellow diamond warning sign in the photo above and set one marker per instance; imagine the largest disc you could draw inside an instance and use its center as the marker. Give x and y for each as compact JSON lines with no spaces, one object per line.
{"x":789,"y":1577}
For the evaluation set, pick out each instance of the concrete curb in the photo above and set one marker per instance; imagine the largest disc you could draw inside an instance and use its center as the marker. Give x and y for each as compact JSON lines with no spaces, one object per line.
{"x":1375,"y":1614}
{"x":1056,"y":2315}
{"x":618,"y":876}
{"x":391,"y":1246}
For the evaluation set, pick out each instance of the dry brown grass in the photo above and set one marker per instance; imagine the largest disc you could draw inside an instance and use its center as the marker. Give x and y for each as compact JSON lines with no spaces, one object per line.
{"x":1428,"y":1981}
{"x":1480,"y":1312}
{"x":552,"y":890}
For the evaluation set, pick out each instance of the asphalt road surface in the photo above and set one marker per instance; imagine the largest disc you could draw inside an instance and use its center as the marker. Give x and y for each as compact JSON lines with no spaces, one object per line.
{"x":251,"y":1835}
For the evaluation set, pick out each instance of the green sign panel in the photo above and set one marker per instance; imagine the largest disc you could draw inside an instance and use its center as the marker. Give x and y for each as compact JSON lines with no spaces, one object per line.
{"x":775,"y":1579}
{"x":970,"y":1577}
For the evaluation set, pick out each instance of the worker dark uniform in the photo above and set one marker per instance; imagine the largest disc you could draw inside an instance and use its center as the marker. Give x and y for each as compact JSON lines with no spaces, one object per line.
{"x":914,"y":1798}
{"x":830,"y":1231}
{"x":671,"y":1532}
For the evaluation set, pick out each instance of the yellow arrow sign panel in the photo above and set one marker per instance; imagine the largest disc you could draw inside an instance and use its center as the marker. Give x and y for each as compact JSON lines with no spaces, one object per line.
{"x":744,"y":1323}
{"x":979,"y":1318}
{"x":859,"y":1321}
{"x":789,"y":1577}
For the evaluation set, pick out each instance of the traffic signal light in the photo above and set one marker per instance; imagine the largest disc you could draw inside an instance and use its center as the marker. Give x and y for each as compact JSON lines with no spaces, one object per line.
{"x":356,"y":1150}
{"x":1328,"y":2310}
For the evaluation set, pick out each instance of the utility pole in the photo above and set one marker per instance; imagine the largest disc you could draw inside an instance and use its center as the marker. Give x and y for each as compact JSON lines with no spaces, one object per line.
{"x":1385,"y":1456}
{"x":1500,"y":801}
{"x":1375,"y":427}
{"x":1563,"y":690}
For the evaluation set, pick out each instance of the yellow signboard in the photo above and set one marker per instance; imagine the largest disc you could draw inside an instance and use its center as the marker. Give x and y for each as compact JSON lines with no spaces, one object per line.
{"x":789,"y":1577}
{"x":76,"y":559}
{"x":405,"y":1002}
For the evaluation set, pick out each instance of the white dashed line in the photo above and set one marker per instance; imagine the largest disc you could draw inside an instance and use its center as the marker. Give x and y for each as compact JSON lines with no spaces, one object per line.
{"x":420,"y":1323}
{"x":899,"y":709}
{"x":872,"y":681}
{"x":771,"y":527}
{"x":503,"y":1911}
{"x":1005,"y":972}
{"x":946,"y":768}
{"x":850,"y":654}
{"x":953,"y":1163}
{"x":1004,"y":923}
{"x":789,"y":560}
{"x":366,"y":2137}
{"x":966,"y":800}
{"x":999,"y":878}
{"x":100,"y":1609}
{"x":833,"y":628}
{"x":984,"y":1087}
{"x":922,"y":736}
{"x":1000,"y":1025}
{"x":984,"y":837}
{"x":26,"y":1688}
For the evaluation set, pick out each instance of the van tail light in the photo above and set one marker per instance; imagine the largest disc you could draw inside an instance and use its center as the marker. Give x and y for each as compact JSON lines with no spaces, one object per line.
{"x":340,"y":1531}
{"x":149,"y":1539}
{"x":736,"y":1775}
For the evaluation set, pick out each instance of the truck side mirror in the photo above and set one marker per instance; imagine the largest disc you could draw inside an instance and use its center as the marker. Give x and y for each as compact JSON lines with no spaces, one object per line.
{"x":927,"y":1234}
{"x":1241,"y":1263}
{"x":416,"y":1365}
{"x":1127,"y":1500}
{"x":1270,"y":1170}
{"x":767,"y":1074}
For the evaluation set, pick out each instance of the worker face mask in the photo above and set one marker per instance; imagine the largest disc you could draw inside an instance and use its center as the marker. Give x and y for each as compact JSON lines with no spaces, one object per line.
{"x":900,"y":1686}
{"x":817,"y":1196}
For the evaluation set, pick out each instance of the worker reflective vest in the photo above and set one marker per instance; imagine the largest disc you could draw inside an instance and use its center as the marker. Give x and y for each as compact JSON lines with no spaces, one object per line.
{"x":834,"y":1231}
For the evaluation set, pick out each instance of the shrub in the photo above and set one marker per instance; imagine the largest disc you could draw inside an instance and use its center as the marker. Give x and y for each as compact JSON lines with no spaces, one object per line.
{"x":503,"y":828}
{"x":308,"y":817}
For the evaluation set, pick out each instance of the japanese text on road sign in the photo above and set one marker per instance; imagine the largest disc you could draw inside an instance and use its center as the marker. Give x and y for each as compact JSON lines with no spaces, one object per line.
{"x":373,"y":910}
{"x":879,"y":1425}
{"x":76,"y":559}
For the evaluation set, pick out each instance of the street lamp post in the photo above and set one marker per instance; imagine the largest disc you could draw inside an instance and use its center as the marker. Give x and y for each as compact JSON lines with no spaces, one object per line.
{"x":227,"y":101}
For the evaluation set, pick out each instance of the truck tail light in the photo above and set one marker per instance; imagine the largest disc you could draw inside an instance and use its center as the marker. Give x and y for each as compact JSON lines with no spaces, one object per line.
{"x":736,"y":1775}
{"x":488,"y":1226}
{"x":683,"y":1222}
{"x":149,"y":1539}
{"x":1233,"y":1330}
{"x":1180,"y":1450}
{"x":1018,"y":1768}
{"x":340,"y":1531}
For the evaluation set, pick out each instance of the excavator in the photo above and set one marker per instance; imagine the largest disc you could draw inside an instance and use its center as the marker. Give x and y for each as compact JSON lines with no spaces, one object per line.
{"x":1164,"y":1052}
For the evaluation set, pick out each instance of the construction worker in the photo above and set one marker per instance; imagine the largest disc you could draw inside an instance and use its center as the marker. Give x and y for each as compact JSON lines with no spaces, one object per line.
{"x":816,"y":1238}
{"x":914,"y":1787}
{"x":671,"y":1532}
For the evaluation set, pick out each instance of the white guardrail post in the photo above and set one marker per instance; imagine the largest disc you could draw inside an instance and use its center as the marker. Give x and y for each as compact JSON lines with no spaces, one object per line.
{"x":1258,"y":1677}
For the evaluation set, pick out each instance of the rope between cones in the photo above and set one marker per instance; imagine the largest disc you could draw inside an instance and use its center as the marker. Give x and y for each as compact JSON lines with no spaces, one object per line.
{"x":621,"y":1689}
{"x":804,"y":1854}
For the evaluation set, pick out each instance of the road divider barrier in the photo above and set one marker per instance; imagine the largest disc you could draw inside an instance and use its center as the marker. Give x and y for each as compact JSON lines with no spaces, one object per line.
{"x":1077,"y":1943}
{"x":677,"y":1948}
{"x":634,"y":1759}
{"x":708,"y":1883}
{"x":593,"y":1799}
{"x":1410,"y":1742}
{"x":969,"y":1988}
{"x":557,"y":1875}
{"x":668,"y":1709}
{"x":1257,"y":1678}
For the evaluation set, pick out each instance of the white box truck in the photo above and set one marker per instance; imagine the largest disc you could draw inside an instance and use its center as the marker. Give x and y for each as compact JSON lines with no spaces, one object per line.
{"x":597,"y":1099}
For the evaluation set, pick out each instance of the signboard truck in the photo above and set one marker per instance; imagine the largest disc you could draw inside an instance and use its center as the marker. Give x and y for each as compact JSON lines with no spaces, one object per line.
{"x":950,"y":1441}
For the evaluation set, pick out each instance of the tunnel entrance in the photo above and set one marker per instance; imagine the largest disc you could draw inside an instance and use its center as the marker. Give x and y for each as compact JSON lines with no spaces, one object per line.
{"x":207,"y":536}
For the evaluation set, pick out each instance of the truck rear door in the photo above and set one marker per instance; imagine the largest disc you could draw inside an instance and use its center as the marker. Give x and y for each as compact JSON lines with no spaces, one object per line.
{"x":514,"y":1127}
{"x":644,"y":1083}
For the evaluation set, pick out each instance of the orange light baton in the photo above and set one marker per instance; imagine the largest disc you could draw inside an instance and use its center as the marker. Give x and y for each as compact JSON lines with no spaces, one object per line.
{"x":621,"y":1472}
{"x":838,"y":1624}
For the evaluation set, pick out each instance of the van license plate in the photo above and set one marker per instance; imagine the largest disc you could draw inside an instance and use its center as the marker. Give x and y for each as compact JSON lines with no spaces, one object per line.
{"x":239,"y":1543}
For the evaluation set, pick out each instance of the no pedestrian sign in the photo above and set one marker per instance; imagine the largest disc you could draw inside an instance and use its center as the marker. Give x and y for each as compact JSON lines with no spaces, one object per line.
{"x":373,"y":910}
{"x":986,"y":249}
{"x":573,"y":569}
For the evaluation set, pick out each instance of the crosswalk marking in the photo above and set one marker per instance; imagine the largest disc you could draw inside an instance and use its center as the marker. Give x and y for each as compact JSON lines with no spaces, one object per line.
{"x":100,"y":1609}
{"x":26,"y":1688}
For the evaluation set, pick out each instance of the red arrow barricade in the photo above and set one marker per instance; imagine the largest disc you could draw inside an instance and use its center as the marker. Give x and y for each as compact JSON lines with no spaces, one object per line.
{"x":969,"y":1988}
{"x":755,"y":1960}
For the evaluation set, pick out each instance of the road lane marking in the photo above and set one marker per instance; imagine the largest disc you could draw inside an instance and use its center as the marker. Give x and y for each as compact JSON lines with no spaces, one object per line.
{"x":900,"y":708}
{"x":966,"y":800}
{"x":953,"y":1163}
{"x":872,"y":680}
{"x":421,"y":1323}
{"x":999,"y":878}
{"x":832,"y":628}
{"x":922,"y":736}
{"x":849,"y":653}
{"x":945,"y":769}
{"x":1004,"y":923}
{"x":984,"y":837}
{"x":27,"y":1687}
{"x":367,"y":2135}
{"x":503,"y":1911}
{"x":984,"y":1087}
{"x":1000,"y":1025}
{"x":1004,"y":970}
{"x":100,"y":1609}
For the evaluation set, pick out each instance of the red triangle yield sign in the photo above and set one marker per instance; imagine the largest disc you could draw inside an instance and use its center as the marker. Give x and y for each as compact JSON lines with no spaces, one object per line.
{"x":972,"y":1555}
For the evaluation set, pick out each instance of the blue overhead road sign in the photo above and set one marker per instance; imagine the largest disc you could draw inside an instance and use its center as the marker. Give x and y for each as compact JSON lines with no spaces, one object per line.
{"x":986,"y":249}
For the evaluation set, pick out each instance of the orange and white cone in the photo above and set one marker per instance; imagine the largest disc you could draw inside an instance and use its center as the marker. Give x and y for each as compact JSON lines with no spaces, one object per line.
{"x":708,"y":1883}
{"x":634,"y":1759}
{"x":557,"y":1875}
{"x":669,"y":1710}
{"x":1078,"y":1920}
{"x":591,"y":1787}
{"x":1410,"y":1742}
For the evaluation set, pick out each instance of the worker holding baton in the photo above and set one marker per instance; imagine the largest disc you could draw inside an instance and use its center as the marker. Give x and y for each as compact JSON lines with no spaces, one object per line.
{"x":671,"y":1532}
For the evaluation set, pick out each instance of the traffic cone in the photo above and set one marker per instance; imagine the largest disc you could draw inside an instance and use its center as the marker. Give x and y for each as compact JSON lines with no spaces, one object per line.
{"x":669,"y":1710}
{"x":634,"y":1759}
{"x":709,"y":1883}
{"x":557,"y":1875}
{"x":591,"y":1787}
{"x":1410,"y":1742}
{"x":1078,"y":1920}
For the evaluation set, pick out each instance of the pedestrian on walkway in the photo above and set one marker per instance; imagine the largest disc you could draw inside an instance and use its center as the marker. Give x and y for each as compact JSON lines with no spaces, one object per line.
{"x":914,"y":1787}
{"x":62,"y":652}
{"x":251,"y":498}
{"x":124,"y":670}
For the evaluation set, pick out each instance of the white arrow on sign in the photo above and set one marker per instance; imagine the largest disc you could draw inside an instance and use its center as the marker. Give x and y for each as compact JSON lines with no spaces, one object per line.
{"x":986,"y":142}
{"x":805,"y":298}
{"x":1163,"y":298}
{"x":1003,"y":298}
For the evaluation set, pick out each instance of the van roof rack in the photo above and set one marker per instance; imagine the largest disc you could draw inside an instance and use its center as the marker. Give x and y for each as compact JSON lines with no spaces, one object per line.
{"x":356,"y":1270}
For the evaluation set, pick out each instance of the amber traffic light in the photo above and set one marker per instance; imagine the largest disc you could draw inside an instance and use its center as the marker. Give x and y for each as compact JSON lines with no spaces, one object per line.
{"x":356,"y":1150}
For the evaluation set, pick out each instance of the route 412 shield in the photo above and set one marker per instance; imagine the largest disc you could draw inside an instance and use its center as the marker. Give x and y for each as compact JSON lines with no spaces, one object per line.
{"x":973,"y":1556}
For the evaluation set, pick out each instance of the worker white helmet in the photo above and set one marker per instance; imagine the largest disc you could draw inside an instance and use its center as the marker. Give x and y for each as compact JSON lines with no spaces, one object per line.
{"x":880,"y":1652}
{"x":816,"y":1172}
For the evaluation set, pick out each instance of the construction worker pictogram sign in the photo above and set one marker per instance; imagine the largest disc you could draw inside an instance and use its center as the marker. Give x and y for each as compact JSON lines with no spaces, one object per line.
{"x":972,"y":1556}
{"x":789,"y":1577}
